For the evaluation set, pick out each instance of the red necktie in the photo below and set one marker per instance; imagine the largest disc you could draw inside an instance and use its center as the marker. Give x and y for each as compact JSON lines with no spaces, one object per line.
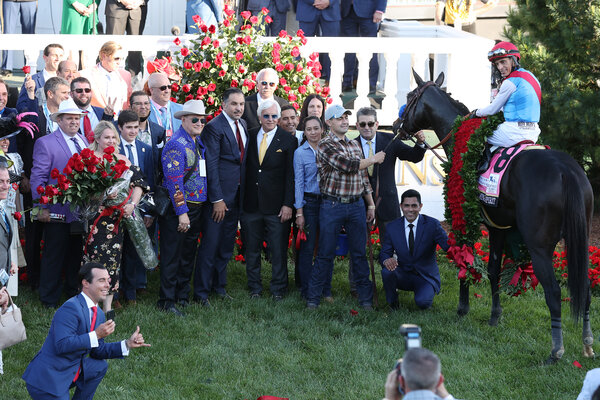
{"x":92,"y":326}
{"x":87,"y":129}
{"x":238,"y":137}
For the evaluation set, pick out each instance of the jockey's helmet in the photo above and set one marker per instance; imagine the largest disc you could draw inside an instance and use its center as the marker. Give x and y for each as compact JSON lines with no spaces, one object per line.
{"x":504,"y":50}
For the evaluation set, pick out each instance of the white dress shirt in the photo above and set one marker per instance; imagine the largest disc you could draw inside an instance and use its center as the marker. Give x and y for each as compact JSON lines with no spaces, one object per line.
{"x":135,"y":160}
{"x":92,"y":334}
{"x":407,"y":228}
{"x":259,"y":137}
{"x":70,"y":142}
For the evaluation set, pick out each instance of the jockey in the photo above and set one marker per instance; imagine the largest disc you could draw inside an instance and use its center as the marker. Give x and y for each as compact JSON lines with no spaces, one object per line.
{"x":520,"y":96}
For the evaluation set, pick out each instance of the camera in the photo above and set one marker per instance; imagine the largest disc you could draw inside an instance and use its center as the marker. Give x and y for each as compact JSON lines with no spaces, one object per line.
{"x":412,"y":335}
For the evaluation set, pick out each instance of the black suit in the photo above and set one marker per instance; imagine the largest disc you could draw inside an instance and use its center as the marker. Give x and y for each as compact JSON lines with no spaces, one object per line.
{"x":268,"y":187}
{"x":388,"y":208}
{"x":224,"y":176}
{"x":251,"y":107}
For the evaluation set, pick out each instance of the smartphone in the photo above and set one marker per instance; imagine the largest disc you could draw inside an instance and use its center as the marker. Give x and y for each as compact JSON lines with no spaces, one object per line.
{"x":3,"y":277}
{"x":110,"y":315}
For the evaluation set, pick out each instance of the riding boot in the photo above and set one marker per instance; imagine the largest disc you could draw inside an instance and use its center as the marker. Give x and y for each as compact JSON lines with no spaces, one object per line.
{"x":486,"y":158}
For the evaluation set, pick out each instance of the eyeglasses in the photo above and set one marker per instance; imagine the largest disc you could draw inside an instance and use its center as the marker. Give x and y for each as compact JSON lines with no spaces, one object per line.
{"x":162,"y":88}
{"x":270,"y":116}
{"x":81,"y":90}
{"x":265,"y":83}
{"x":363,"y":124}
{"x":196,"y":119}
{"x":140,"y":103}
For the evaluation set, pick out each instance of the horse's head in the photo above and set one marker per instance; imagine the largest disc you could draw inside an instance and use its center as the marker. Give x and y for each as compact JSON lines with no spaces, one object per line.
{"x":428,"y":106}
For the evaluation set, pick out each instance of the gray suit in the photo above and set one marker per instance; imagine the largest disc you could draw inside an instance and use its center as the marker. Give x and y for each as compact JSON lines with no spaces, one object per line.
{"x":5,"y":240}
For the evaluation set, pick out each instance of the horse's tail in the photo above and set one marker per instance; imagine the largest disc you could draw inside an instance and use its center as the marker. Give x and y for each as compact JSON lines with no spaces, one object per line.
{"x":575,"y":232}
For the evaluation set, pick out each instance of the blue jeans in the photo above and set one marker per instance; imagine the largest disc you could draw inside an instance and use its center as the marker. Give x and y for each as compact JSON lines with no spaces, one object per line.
{"x":333,"y":215}
{"x":307,"y":248}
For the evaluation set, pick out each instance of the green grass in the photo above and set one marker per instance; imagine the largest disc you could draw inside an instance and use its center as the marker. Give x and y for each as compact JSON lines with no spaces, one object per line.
{"x":243,"y":349}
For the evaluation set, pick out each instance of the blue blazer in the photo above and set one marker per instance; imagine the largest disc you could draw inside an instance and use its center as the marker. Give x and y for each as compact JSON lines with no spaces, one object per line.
{"x":68,"y":346}
{"x":39,"y":80}
{"x":49,"y":152}
{"x":145,"y":160}
{"x":363,"y":8}
{"x":423,"y":261}
{"x":281,"y":5}
{"x":175,"y":123}
{"x":306,"y":12}
{"x":224,"y":169}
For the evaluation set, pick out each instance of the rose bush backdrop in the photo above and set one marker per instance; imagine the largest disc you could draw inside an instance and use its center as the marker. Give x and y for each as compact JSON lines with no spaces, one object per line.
{"x":223,"y":57}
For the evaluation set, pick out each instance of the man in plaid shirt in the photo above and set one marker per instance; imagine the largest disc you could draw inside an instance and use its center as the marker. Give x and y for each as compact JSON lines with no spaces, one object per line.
{"x":345,"y":188}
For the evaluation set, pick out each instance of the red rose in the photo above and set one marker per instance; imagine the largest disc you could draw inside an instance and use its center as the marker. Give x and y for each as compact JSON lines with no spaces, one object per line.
{"x":253,"y":76}
{"x":229,"y":11}
{"x":108,"y":157}
{"x":251,"y":85}
{"x":289,"y":66}
{"x":276,"y":60}
{"x":86,"y":153}
{"x":186,"y":88}
{"x":239,"y":56}
{"x":187,"y":65}
{"x":313,"y":56}
{"x":282,"y":34}
{"x":177,"y":41}
{"x":213,"y":29}
{"x":79,"y":166}
{"x":175,"y":87}
{"x":215,"y":44}
{"x":222,"y":73}
{"x":234,"y":83}
{"x":17,"y":215}
{"x":241,"y":69}
{"x":329,"y":100}
{"x":268,"y":19}
{"x":254,"y":20}
{"x":287,"y":88}
{"x":299,"y":68}
{"x":196,"y":19}
{"x":302,"y":89}
{"x":203,"y":28}
{"x":300,"y":33}
{"x":185,"y":51}
{"x":292,"y":97}
{"x":316,"y":73}
{"x":206,"y":64}
{"x":67,"y":170}
{"x":198,"y":66}
{"x":303,"y":40}
{"x":264,"y":11}
{"x":109,"y":150}
{"x":247,"y":40}
{"x":210,"y":101}
{"x":189,"y":97}
{"x":103,"y":174}
{"x":218,"y":62}
{"x":44,"y":200}
{"x":279,"y":67}
{"x":326,"y":90}
{"x":202,"y":91}
{"x":245,"y":14}
{"x":211,"y":87}
{"x":205,"y":41}
{"x":226,"y":23}
{"x":296,"y":105}
{"x":54,"y":173}
{"x":295,"y":51}
{"x":282,"y":81}
{"x":65,"y":186}
{"x":26,"y":69}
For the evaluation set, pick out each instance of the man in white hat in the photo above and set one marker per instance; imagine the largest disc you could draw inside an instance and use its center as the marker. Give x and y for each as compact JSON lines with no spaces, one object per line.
{"x":61,"y":247}
{"x":184,"y":171}
{"x":345,"y":190}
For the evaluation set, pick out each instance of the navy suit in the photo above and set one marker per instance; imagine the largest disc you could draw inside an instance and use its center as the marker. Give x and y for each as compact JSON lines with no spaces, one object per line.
{"x":357,"y":20}
{"x":158,"y":138}
{"x":225,"y":174}
{"x":39,"y":80}
{"x":388,"y":208}
{"x":311,"y":19}
{"x":417,"y":272}
{"x":133,"y":272}
{"x":65,"y":349}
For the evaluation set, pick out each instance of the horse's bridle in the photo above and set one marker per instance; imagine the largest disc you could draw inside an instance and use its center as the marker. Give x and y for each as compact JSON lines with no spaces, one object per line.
{"x":410,"y":109}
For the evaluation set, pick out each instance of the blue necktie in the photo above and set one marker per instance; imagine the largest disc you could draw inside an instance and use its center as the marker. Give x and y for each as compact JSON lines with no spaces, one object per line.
{"x":130,"y":153}
{"x":5,"y":217}
{"x":77,"y":146}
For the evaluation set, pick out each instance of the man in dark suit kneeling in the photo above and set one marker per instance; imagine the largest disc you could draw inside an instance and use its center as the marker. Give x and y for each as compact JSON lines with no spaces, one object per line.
{"x":74,"y":352}
{"x":414,"y":238}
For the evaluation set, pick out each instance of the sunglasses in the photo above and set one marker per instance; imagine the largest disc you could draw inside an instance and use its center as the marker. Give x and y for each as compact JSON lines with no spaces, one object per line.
{"x":270,"y":116}
{"x":80,"y":90}
{"x":265,"y":83}
{"x":163,"y":87}
{"x":196,"y":119}
{"x":363,"y":124}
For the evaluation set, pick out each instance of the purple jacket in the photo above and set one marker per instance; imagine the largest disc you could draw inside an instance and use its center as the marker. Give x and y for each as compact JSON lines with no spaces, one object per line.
{"x":49,"y":152}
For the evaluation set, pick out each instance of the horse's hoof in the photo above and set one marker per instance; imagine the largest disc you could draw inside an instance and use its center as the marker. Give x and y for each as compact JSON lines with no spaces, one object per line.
{"x":462,"y":311}
{"x":493,"y":321}
{"x":588,"y":352}
{"x":551,"y":360}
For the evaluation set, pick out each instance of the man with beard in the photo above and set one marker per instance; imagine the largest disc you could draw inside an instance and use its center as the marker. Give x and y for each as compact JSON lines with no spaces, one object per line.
{"x":150,"y":133}
{"x":81,"y":92}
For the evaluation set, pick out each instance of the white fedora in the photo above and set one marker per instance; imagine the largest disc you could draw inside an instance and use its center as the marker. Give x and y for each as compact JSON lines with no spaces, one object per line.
{"x":66,"y":107}
{"x":195,"y":107}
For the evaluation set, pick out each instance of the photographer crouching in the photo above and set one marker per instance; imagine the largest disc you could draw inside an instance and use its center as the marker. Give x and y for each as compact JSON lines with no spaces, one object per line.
{"x":417,"y":376}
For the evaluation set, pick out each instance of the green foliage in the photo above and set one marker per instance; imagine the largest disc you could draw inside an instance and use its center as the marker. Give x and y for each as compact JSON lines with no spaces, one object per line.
{"x":242,"y":349}
{"x":559,"y":42}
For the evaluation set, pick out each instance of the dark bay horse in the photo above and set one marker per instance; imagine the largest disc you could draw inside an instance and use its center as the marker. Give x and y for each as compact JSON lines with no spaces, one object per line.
{"x":544,"y":194}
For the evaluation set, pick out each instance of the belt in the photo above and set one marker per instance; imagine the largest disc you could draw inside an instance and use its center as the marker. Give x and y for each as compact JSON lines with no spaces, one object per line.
{"x":312,"y":195}
{"x":194,"y":204}
{"x":344,"y":200}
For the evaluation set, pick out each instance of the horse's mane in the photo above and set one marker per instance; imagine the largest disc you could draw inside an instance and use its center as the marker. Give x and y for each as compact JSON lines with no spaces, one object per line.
{"x":456,"y":103}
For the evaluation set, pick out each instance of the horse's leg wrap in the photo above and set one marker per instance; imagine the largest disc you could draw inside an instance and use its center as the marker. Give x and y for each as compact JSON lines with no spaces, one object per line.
{"x":588,"y":336}
{"x":463,"y":299}
{"x":557,"y":340}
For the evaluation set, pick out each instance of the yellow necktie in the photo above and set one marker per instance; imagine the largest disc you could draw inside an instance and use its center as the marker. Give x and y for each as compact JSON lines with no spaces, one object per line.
{"x":370,"y":168}
{"x":263,"y":148}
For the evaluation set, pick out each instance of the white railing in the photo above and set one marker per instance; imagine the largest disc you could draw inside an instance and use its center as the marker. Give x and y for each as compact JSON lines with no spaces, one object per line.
{"x":401,"y":47}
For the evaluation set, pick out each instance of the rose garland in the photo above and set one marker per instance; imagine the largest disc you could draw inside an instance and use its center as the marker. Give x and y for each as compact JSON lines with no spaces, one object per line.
{"x":460,"y":193}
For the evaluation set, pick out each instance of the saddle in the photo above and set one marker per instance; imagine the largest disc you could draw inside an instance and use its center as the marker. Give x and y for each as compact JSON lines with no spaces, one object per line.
{"x":491,"y":172}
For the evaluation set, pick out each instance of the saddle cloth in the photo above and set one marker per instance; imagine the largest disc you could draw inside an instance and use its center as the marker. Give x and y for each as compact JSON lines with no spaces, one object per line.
{"x":489,"y":181}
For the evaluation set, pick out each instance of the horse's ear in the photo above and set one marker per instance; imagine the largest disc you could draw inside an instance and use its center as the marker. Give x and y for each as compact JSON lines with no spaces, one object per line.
{"x":418,"y":79}
{"x":440,"y":79}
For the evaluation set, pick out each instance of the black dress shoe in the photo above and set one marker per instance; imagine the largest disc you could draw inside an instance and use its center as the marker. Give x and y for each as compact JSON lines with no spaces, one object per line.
{"x":172,"y":310}
{"x":204,"y":303}
{"x":255,"y":295}
{"x":225,"y":296}
{"x":277,"y":297}
{"x":183,"y":303}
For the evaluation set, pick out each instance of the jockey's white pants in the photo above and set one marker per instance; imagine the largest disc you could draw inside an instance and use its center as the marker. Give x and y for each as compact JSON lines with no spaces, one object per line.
{"x":510,"y":133}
